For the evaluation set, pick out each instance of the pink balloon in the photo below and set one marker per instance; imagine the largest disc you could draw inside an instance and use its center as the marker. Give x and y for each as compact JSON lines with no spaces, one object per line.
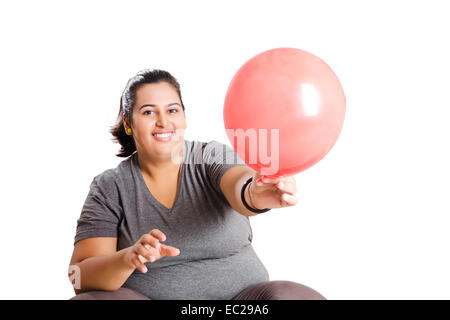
{"x":284,"y":110}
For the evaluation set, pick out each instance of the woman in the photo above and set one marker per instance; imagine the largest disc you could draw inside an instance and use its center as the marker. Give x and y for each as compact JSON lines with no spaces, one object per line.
{"x":172,"y":220}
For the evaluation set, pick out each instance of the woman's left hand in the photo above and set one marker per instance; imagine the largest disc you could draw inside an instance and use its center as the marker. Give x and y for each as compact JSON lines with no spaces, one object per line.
{"x":272,"y":192}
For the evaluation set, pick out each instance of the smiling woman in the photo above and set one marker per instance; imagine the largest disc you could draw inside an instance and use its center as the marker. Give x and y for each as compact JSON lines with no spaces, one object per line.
{"x":169,"y":188}
{"x":163,"y":86}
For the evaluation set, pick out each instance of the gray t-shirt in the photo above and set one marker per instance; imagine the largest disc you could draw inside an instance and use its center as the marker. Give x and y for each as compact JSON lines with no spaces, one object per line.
{"x":216,"y":259}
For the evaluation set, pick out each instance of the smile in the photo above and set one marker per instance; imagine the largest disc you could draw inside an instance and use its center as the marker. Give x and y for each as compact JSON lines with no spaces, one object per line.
{"x":164,"y":137}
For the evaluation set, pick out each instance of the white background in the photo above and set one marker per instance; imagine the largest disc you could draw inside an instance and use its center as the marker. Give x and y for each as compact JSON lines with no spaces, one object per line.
{"x":373,"y":216}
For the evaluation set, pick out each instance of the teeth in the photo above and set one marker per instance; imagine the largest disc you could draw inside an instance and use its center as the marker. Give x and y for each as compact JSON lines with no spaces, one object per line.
{"x":163,"y":135}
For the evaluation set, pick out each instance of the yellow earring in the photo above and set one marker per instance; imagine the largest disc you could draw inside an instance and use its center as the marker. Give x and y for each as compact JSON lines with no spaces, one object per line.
{"x":129,"y":130}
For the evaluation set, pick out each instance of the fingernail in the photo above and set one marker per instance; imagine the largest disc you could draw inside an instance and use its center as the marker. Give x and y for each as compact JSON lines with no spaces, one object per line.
{"x":280,"y":184}
{"x":285,"y":196}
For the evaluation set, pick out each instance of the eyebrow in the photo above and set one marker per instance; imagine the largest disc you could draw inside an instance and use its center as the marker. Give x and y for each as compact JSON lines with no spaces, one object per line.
{"x":154,"y":105}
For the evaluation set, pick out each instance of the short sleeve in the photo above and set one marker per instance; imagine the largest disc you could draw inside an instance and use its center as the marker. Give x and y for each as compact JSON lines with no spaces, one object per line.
{"x":100,"y":215}
{"x":218,"y":158}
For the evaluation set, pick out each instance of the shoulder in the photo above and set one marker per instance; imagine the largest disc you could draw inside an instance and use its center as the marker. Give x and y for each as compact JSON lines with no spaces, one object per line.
{"x":197,"y":145}
{"x":106,"y":177}
{"x":206,"y":152}
{"x":211,"y":147}
{"x":109,"y":180}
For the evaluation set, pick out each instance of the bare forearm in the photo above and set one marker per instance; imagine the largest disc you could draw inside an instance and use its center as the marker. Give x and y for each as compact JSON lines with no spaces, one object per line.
{"x":239,"y":205}
{"x":106,"y":273}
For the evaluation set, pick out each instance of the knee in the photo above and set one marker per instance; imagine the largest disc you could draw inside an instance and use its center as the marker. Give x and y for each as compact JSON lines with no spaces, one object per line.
{"x":93,"y":295}
{"x":119,"y":294}
{"x":288,"y":290}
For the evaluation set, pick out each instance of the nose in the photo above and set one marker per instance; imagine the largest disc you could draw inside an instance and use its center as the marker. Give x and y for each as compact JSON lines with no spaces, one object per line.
{"x":161,"y":120}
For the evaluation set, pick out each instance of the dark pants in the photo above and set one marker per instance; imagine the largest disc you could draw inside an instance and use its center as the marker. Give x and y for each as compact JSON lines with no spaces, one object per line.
{"x":270,"y":290}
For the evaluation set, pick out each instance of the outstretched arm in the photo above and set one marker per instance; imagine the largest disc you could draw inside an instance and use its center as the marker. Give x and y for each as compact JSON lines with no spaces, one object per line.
{"x":231,"y":184}
{"x":261,"y":193}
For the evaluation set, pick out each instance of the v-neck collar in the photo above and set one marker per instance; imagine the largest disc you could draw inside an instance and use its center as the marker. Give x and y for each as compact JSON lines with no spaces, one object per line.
{"x":147,"y":190}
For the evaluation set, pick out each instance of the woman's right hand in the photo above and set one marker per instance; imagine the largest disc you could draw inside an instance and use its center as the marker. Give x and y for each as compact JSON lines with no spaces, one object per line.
{"x":149,"y":249}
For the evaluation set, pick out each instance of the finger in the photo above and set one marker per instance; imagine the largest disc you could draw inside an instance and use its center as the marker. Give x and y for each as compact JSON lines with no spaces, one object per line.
{"x":158,"y":234}
{"x":153,"y":250}
{"x":138,"y":263}
{"x":142,"y":259}
{"x":257,"y":176}
{"x":265,"y":183}
{"x":151,"y":240}
{"x":259,"y":183}
{"x":270,"y":180}
{"x":275,"y":179}
{"x":143,"y":268}
{"x":169,"y":250}
{"x":289,"y":199}
{"x":148,"y":252}
{"x":286,"y":187}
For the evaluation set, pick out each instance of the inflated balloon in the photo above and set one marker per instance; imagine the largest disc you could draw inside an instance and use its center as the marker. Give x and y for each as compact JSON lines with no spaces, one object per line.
{"x":284,"y":110}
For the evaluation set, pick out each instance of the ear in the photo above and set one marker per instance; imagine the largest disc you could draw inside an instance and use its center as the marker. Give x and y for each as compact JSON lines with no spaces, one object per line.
{"x":125,"y":121}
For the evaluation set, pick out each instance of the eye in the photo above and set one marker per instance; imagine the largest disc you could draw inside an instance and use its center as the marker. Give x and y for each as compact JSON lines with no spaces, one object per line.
{"x":173,"y":110}
{"x":145,"y":112}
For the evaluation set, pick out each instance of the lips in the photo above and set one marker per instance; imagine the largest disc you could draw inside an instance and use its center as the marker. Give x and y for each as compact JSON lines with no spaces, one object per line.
{"x":161,"y":132}
{"x":163,"y":136}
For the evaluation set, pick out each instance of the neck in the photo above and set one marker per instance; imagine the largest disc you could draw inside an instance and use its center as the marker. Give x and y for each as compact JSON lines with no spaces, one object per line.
{"x":160,"y":168}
